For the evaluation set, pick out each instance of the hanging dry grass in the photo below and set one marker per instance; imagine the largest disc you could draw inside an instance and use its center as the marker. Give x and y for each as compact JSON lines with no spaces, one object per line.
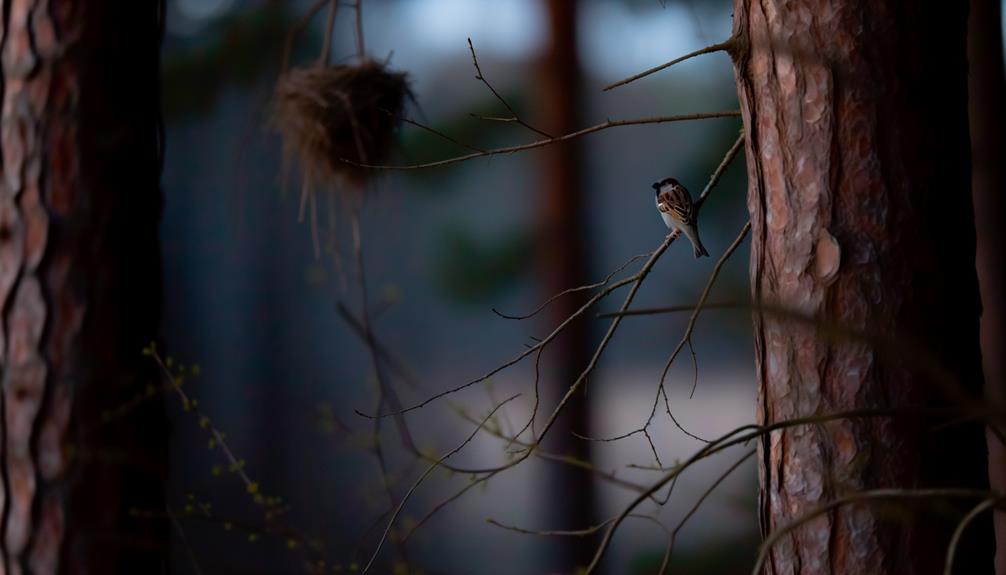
{"x":327,"y":115}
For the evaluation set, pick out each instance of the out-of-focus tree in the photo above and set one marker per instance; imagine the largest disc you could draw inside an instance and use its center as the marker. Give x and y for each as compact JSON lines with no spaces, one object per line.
{"x":80,"y":287}
{"x":563,"y":245}
{"x":859,"y":173}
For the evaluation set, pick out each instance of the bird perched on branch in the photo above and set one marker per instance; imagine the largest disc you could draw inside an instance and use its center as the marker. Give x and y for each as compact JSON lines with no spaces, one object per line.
{"x":678,"y":211}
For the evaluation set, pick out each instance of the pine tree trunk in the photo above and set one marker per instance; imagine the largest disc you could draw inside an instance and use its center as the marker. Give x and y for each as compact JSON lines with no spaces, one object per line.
{"x":79,"y":287}
{"x":860,"y":203}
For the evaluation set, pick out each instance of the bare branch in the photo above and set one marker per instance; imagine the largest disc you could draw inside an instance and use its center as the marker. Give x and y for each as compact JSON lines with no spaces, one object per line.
{"x":297,"y":29}
{"x":597,"y":297}
{"x":436,"y":508}
{"x":637,"y":282}
{"x":720,"y":170}
{"x":989,"y":503}
{"x":542,"y":143}
{"x":412,"y":489}
{"x":565,"y":292}
{"x":889,"y":345}
{"x":687,"y":337}
{"x":514,"y":117}
{"x":394,"y":363}
{"x":361,"y":51}
{"x":704,"y":496}
{"x":866,"y":496}
{"x":737,"y":437}
{"x":326,"y":45}
{"x":722,"y":46}
{"x":442,"y":135}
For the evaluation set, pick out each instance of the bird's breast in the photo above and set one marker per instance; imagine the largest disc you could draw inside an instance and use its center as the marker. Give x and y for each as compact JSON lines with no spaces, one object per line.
{"x":668,"y":220}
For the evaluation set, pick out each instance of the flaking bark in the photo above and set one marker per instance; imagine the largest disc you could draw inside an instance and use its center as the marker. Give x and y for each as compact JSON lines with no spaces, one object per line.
{"x":859,"y":195}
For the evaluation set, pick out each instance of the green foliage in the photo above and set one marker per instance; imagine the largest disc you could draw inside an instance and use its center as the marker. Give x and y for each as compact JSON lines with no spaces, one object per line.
{"x":471,"y":269}
{"x":243,"y":48}
{"x":727,"y":557}
{"x":466,"y":127}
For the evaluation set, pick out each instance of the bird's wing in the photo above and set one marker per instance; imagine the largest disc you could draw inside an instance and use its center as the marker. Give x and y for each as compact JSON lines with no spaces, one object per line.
{"x":677,"y":202}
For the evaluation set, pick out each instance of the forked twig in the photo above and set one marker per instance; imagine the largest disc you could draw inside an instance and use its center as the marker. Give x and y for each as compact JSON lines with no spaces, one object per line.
{"x":690,"y":329}
{"x":435,"y":465}
{"x":514,"y":117}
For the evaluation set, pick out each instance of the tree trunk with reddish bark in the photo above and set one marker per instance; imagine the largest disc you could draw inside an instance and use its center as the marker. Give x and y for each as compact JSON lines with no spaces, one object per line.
{"x":860,"y":200}
{"x":570,"y":491}
{"x":79,"y":287}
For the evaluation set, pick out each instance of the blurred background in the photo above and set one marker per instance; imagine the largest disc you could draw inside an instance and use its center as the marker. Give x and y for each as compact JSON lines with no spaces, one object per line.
{"x":282,"y":374}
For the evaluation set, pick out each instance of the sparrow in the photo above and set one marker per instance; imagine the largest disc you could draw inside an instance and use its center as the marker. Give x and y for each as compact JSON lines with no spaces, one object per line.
{"x":678,"y":211}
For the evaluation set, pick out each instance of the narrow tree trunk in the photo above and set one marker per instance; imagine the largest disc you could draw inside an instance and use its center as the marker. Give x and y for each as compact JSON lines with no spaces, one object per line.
{"x":860,"y":202}
{"x":570,"y":491}
{"x":79,"y":287}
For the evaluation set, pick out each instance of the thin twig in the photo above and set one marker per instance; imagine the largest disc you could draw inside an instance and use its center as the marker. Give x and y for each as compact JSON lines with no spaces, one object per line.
{"x":704,"y":496}
{"x":361,"y":51}
{"x":297,"y":29}
{"x":687,"y":337}
{"x":545,"y":341}
{"x":190,"y":554}
{"x":737,"y":437}
{"x":542,"y":143}
{"x":326,"y":45}
{"x":637,"y":283}
{"x":729,"y":305}
{"x":720,"y":170}
{"x":435,"y":465}
{"x":457,"y":495}
{"x":514,"y":117}
{"x":568,"y":291}
{"x":888,"y":345}
{"x":569,"y":460}
{"x":235,"y":465}
{"x":722,"y":46}
{"x":440,"y":134}
{"x":989,"y":503}
{"x":393,"y":362}
{"x":713,"y":181}
{"x":866,"y":496}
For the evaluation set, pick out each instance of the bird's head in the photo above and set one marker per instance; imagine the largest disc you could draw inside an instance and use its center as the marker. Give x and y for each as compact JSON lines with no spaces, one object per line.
{"x":664,"y":182}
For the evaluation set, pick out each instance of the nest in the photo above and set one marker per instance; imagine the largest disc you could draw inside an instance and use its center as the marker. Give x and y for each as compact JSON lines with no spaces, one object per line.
{"x":336,"y":119}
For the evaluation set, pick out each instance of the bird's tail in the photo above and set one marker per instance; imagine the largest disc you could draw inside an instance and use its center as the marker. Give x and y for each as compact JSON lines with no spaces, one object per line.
{"x":700,"y":250}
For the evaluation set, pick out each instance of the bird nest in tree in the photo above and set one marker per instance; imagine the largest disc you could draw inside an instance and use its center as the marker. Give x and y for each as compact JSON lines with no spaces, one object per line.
{"x":337,"y":118}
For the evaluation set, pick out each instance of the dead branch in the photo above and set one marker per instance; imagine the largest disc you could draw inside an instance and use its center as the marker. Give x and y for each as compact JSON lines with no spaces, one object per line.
{"x":568,"y":291}
{"x":690,"y":329}
{"x":725,"y":46}
{"x":514,"y":117}
{"x":948,"y":569}
{"x":542,"y":143}
{"x":425,"y":474}
{"x":738,"y":437}
{"x":873,"y":495}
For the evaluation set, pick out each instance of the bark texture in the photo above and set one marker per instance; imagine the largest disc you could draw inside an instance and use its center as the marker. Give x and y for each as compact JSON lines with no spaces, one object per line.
{"x":79,"y":286}
{"x":860,"y":202}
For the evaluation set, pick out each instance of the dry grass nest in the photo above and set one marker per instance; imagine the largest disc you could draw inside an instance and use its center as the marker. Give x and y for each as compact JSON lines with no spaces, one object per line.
{"x":336,"y":116}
